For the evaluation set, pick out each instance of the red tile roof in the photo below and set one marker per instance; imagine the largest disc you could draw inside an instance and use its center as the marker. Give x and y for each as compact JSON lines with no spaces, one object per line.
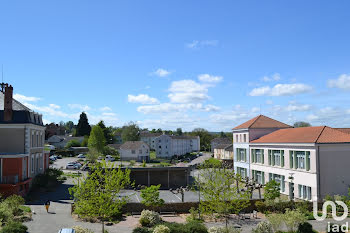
{"x":262,"y":122}
{"x":344,"y":130}
{"x":317,"y":134}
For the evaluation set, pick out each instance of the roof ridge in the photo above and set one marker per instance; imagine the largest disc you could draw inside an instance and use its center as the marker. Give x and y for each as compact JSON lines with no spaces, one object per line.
{"x":255,"y":120}
{"x":320,"y":134}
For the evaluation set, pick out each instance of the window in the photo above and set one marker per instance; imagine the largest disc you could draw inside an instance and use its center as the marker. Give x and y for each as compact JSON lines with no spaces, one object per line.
{"x":299,"y":160}
{"x":236,"y":138}
{"x":32,"y":139}
{"x":276,"y":158}
{"x":37,"y":139}
{"x":241,"y":154}
{"x":240,"y":138}
{"x":132,"y":151}
{"x":245,"y":138}
{"x":258,"y":176}
{"x":257,"y":156}
{"x":279,"y":179}
{"x":242,"y":172}
{"x":304,"y":192}
{"x":32,"y":164}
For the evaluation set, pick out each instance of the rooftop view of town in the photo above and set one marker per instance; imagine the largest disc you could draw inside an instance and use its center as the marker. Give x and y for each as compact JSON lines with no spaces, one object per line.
{"x":174,"y":117}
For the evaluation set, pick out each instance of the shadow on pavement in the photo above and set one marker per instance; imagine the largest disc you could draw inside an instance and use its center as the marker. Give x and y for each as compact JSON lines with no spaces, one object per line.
{"x":60,"y":195}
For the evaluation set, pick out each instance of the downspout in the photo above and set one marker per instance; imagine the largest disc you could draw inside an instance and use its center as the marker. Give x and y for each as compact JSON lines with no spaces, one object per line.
{"x":318,"y":173}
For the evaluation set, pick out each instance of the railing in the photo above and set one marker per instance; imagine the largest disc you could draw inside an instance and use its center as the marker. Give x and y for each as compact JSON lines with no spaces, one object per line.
{"x":9,"y":179}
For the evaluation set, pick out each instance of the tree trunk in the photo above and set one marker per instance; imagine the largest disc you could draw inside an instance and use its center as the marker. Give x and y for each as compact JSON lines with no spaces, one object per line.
{"x":103,"y":226}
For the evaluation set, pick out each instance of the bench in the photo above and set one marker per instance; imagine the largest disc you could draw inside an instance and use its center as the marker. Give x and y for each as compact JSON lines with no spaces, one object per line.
{"x":169,"y":214}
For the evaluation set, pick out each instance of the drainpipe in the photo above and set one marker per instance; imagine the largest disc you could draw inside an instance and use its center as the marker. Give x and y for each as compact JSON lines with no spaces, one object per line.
{"x":318,"y":172}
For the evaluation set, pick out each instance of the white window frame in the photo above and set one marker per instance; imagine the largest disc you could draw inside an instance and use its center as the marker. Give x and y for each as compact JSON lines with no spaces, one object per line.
{"x":277,"y":157}
{"x":301,"y":159}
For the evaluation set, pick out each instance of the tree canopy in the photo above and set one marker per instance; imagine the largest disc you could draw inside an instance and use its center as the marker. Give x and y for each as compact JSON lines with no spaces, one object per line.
{"x":130,"y":132}
{"x":205,"y":138}
{"x":83,"y":128}
{"x":97,"y":139}
{"x":108,"y":132}
{"x":299,"y":124}
{"x":150,"y":196}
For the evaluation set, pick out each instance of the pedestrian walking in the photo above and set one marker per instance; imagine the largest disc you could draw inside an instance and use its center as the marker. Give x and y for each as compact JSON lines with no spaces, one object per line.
{"x":47,"y":205}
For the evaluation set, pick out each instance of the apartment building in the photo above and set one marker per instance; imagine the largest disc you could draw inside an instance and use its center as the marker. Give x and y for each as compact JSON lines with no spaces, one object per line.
{"x":309,"y":162}
{"x":247,"y":132}
{"x":149,"y":138}
{"x":167,"y":146}
{"x":22,"y":136}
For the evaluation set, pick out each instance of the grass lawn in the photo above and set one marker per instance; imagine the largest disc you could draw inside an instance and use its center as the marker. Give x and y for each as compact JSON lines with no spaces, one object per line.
{"x":152,"y":155}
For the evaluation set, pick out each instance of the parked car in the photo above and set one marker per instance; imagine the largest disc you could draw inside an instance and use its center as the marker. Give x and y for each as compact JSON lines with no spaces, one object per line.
{"x":59,"y":156}
{"x":53,"y":158}
{"x":109,"y":158}
{"x":66,"y":230}
{"x":81,"y":156}
{"x":71,"y":166}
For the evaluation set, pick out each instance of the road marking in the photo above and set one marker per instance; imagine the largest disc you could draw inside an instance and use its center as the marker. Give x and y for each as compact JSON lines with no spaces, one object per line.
{"x":177,"y":196}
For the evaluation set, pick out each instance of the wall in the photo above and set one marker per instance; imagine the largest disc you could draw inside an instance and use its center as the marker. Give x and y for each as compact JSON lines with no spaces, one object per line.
{"x":334,"y":161}
{"x":15,"y":140}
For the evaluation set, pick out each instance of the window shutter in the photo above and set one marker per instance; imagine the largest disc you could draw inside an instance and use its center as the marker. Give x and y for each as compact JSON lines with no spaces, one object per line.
{"x":282,"y":158}
{"x":291,"y":159}
{"x":237,"y":155}
{"x":307,"y":160}
{"x":295,"y":159}
{"x":272,"y":158}
{"x":269,"y":157}
{"x":253,"y":155}
{"x":262,"y":156}
{"x":263,"y":177}
{"x":245,"y":155}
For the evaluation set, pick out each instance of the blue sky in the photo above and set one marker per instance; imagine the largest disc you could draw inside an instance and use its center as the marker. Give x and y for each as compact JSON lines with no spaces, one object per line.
{"x":169,"y":64}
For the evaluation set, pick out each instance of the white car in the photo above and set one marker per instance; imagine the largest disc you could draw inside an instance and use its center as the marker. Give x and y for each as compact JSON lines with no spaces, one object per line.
{"x":67,"y":230}
{"x":109,"y":158}
{"x":81,"y":156}
{"x":71,"y":166}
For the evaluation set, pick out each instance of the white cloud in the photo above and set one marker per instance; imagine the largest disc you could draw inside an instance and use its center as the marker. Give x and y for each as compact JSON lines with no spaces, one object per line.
{"x":142,"y":99}
{"x":187,"y":91}
{"x":171,"y":107}
{"x":196,"y":44}
{"x":298,"y":107}
{"x":80,"y":107}
{"x":54,"y":106}
{"x":105,"y":109}
{"x":22,"y":98}
{"x":274,"y":77}
{"x":342,"y":82}
{"x":281,"y":90}
{"x":209,"y":78}
{"x":269,"y":102}
{"x":161,"y":72}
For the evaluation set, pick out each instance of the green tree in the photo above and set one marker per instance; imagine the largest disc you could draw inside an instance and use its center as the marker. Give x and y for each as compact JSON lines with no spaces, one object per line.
{"x":97,"y":139}
{"x":130,"y":132}
{"x":272,"y":190}
{"x":300,"y":124}
{"x":85,"y":141}
{"x":73,"y":143}
{"x":220,"y":194}
{"x":69,"y":126}
{"x":108,"y":132}
{"x":150,"y":196}
{"x":179,"y":131}
{"x":83,"y":127}
{"x":93,"y":155}
{"x":99,"y":195}
{"x":205,"y":138}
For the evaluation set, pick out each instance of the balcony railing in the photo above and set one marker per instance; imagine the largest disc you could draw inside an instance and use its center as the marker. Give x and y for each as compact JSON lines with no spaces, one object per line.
{"x":9,"y":179}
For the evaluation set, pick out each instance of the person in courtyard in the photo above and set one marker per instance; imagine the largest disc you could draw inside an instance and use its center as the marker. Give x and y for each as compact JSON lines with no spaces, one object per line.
{"x":47,"y":205}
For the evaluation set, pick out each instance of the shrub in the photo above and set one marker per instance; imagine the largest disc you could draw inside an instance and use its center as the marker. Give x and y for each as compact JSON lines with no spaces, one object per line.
{"x":293,"y":218}
{"x":194,"y":215}
{"x":276,"y":221}
{"x":272,"y":190}
{"x":14,"y":227}
{"x":305,"y":228}
{"x":13,"y":203}
{"x":149,"y":218}
{"x":141,"y":230}
{"x":223,"y":230}
{"x":161,"y":229}
{"x":263,"y":227}
{"x":25,"y":209}
{"x":195,"y":227}
{"x":48,"y":179}
{"x":175,"y":227}
{"x":73,"y":143}
{"x":261,"y":206}
{"x":80,"y":229}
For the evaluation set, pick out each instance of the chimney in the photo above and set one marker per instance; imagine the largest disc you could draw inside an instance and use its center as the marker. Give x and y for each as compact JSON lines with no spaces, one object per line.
{"x":8,"y":103}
